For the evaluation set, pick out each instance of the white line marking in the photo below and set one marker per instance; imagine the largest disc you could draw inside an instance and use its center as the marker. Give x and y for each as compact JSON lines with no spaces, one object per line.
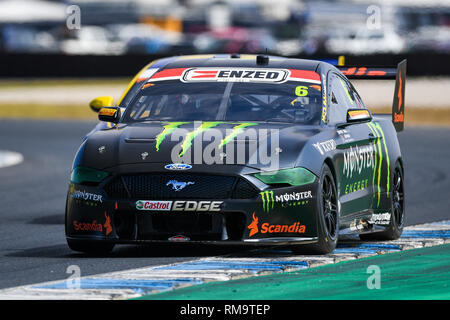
{"x":9,"y":158}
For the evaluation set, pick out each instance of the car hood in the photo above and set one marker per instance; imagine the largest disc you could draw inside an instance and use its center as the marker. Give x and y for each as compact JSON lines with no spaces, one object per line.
{"x":259,"y":145}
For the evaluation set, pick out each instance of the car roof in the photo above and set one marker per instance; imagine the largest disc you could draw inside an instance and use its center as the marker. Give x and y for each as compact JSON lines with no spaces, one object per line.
{"x":238,"y":61}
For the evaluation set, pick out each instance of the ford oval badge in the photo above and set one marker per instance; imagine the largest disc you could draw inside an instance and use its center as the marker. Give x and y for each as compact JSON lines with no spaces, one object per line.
{"x":178,"y":166}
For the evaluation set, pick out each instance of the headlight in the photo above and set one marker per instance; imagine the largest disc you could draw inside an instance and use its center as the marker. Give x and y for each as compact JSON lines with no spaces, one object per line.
{"x":83,"y":174}
{"x":294,"y":177}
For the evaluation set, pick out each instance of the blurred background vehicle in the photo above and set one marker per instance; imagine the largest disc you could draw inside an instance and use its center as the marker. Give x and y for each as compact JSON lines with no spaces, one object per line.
{"x":284,"y":27}
{"x":103,"y":38}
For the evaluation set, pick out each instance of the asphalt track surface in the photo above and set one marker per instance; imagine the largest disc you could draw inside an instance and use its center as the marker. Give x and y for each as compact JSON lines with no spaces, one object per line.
{"x":32,"y":198}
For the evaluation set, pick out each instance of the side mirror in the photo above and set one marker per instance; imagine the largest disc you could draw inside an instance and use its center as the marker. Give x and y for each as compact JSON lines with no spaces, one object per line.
{"x":109,"y":114}
{"x":101,"y":102}
{"x":358,"y":115}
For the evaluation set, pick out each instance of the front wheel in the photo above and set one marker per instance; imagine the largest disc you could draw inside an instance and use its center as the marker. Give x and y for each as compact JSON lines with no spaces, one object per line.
{"x":328,"y":217}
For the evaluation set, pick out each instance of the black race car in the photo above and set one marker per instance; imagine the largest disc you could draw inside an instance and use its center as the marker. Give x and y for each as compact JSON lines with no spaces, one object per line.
{"x":256,"y":150}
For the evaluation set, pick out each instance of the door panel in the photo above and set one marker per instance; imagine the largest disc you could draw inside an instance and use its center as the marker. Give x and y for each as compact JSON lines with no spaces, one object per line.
{"x":355,"y":162}
{"x":356,"y":166}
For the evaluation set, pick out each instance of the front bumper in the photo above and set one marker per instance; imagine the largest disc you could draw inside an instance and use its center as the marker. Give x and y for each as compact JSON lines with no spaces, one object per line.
{"x":275,"y":216}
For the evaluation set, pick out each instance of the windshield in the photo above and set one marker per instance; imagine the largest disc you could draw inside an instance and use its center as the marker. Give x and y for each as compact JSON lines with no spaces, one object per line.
{"x":291,"y":101}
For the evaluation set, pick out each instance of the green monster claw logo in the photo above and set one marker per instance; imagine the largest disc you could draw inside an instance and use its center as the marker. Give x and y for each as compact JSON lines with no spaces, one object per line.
{"x":267,"y":200}
{"x":191,"y":135}
{"x":187,"y":143}
{"x":378,"y":132}
{"x":236,"y":131}
{"x":168,"y":129}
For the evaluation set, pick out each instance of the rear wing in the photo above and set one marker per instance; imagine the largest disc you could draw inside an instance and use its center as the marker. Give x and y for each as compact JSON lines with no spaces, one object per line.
{"x":398,"y":73}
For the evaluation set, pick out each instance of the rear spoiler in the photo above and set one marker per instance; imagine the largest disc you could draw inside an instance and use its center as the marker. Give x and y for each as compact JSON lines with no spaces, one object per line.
{"x":398,"y":73}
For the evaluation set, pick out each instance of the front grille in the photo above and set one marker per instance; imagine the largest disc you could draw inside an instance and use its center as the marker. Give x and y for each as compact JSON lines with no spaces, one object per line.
{"x":156,"y":186}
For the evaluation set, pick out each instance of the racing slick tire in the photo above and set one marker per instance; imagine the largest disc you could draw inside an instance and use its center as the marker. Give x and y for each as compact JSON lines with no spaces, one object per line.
{"x":90,"y":247}
{"x":328,"y":217}
{"x":395,"y":228}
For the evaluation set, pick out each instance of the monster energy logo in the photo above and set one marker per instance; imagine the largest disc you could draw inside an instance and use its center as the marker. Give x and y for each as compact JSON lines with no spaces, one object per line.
{"x":236,"y":131}
{"x":267,"y":200}
{"x":260,"y":145}
{"x":168,"y":129}
{"x":191,"y":135}
{"x":358,"y":159}
{"x":378,"y":132}
{"x":187,"y":143}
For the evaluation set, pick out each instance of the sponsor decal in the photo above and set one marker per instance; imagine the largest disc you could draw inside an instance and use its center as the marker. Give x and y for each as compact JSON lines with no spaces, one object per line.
{"x":294,"y":196}
{"x":358,"y":225}
{"x":380,"y":218}
{"x":178,"y":166}
{"x":253,"y":226}
{"x":196,"y":205}
{"x":146,"y":74}
{"x":107,"y":225}
{"x":101,"y":149}
{"x":267,"y":200}
{"x":361,"y":71}
{"x":295,"y":204}
{"x":356,"y":186}
{"x":227,"y":74}
{"x":87,"y":196}
{"x":358,"y":114}
{"x":288,"y":199}
{"x":107,"y":112}
{"x":179,"y":238}
{"x":236,"y":131}
{"x":167,"y":74}
{"x":295,"y":227}
{"x":168,"y":129}
{"x":378,"y":132}
{"x":358,"y":158}
{"x":326,"y":146}
{"x":153,"y":205}
{"x":87,"y":226}
{"x":144,"y":155}
{"x":187,"y":143}
{"x":345,"y":135}
{"x":177,"y":185}
{"x":398,"y":117}
{"x":235,"y":74}
{"x":324,"y":101}
{"x":324,"y":114}
{"x":253,"y":145}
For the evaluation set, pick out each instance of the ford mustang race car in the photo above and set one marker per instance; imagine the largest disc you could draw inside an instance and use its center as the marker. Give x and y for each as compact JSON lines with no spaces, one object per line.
{"x":241,"y":149}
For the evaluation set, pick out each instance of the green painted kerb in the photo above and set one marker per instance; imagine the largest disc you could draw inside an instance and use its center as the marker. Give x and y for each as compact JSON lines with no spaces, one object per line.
{"x":411,"y":275}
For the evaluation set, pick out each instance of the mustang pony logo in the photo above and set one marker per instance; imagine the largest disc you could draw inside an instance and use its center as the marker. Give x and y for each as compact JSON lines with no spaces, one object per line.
{"x":253,"y":226}
{"x":177,"y":186}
